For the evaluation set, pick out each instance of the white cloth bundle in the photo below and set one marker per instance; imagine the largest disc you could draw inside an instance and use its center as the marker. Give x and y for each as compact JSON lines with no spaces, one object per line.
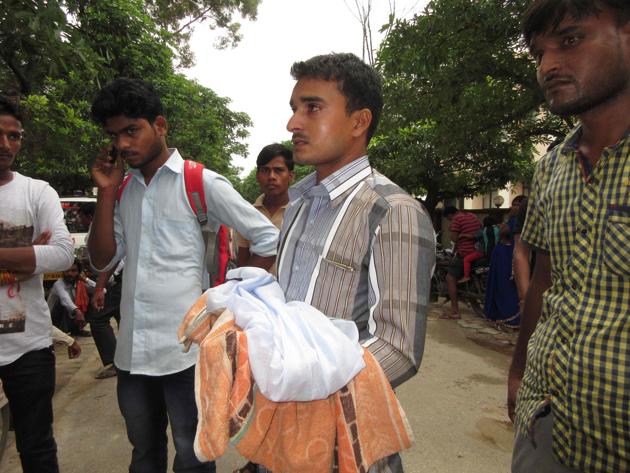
{"x":296,"y":353}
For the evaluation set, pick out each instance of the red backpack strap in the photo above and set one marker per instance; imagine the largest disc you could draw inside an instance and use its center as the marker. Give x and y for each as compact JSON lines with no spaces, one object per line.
{"x":122,"y":186}
{"x":193,"y":182}
{"x":217,"y":253}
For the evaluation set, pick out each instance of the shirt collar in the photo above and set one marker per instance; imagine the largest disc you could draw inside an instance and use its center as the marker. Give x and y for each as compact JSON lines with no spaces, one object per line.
{"x":259,"y":203}
{"x":570,"y":144}
{"x":335,"y":185}
{"x":175,"y":163}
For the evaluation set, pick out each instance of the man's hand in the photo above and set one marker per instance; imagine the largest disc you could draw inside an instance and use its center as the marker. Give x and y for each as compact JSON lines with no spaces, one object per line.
{"x":43,"y":239}
{"x":514,"y":382}
{"x":79,"y":318}
{"x":541,"y":281}
{"x":98,"y":298}
{"x":107,"y":173}
{"x":74,"y":350}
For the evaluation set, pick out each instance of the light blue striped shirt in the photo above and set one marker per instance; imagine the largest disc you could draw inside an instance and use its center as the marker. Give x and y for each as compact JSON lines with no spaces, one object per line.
{"x":157,"y":232}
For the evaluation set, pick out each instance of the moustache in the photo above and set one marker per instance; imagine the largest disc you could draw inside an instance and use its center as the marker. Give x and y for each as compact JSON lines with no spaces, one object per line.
{"x":551,"y":79}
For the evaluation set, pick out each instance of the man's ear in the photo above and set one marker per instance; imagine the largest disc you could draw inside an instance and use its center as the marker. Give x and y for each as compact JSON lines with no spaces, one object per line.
{"x":362,"y":121}
{"x":161,"y":125}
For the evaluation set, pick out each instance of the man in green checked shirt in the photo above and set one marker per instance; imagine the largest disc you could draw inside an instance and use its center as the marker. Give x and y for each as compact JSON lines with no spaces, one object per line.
{"x":573,"y":402}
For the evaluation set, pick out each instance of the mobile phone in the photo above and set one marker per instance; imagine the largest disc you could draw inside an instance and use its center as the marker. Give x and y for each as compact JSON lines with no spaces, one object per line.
{"x":113,"y":154}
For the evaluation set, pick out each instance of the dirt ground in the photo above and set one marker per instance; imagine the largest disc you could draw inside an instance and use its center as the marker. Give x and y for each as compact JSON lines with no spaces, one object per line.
{"x":456,"y":407}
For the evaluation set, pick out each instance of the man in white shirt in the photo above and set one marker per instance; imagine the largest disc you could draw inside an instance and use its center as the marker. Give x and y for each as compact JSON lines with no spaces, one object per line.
{"x":33,"y":240}
{"x":67,"y":312}
{"x":153,"y":226}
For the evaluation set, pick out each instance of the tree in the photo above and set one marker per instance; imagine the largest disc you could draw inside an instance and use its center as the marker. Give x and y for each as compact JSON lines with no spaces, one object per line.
{"x":42,"y":38}
{"x":463,"y":109}
{"x":56,"y":55}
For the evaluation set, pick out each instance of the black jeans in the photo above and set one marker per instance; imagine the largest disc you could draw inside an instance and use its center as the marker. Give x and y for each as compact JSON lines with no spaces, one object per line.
{"x":29,"y":383}
{"x":100,"y":324}
{"x":148,"y":403}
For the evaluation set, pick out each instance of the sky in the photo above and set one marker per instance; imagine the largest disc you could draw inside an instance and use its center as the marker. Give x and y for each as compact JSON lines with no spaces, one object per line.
{"x":255,"y":74}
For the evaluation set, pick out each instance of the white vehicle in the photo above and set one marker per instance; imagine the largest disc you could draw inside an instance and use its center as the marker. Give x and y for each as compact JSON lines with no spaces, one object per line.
{"x":78,"y":231}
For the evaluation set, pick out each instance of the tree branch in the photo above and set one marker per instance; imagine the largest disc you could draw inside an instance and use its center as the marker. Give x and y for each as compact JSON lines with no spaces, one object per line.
{"x":197,"y":18}
{"x":25,"y":86}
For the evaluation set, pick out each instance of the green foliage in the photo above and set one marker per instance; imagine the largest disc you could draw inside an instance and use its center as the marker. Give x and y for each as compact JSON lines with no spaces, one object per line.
{"x":59,"y":139}
{"x":248,"y":187}
{"x":463,"y":109}
{"x":55,"y":55}
{"x":178,"y":18}
{"x":202,"y":126}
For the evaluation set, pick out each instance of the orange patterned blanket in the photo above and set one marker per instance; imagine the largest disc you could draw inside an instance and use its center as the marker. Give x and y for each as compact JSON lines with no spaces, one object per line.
{"x":348,"y":432}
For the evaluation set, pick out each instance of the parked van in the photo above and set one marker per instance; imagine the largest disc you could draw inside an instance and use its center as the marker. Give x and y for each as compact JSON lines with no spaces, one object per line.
{"x":78,"y":231}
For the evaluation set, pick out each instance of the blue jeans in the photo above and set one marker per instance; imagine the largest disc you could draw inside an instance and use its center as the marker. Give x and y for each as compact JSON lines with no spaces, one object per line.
{"x":148,"y":403}
{"x":29,"y":383}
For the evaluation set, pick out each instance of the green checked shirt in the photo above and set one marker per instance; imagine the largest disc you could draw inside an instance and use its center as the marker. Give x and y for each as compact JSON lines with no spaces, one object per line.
{"x":578,"y":358}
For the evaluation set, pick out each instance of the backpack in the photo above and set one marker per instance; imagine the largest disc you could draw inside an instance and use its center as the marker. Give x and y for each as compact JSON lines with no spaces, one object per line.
{"x":217,"y":240}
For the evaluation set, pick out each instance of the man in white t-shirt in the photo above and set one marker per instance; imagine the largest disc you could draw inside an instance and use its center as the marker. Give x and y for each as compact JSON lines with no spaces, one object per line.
{"x":33,"y":240}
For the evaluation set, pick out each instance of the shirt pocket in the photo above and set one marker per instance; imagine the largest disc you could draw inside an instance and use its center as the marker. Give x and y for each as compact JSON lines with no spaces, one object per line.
{"x":616,"y":249}
{"x":336,"y":289}
{"x":177,"y":245}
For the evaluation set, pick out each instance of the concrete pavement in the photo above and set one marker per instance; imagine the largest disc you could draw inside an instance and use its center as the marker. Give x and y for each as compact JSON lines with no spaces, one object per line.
{"x":456,"y":407}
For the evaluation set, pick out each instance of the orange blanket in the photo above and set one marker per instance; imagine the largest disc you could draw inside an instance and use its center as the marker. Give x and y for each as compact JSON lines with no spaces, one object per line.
{"x":352,"y":429}
{"x":81,"y":299}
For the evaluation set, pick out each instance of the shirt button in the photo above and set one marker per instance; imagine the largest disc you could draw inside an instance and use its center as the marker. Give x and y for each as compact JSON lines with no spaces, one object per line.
{"x":584,"y":231}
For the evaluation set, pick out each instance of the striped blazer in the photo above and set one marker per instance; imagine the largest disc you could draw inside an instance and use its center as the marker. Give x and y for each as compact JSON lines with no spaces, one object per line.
{"x":357,"y":247}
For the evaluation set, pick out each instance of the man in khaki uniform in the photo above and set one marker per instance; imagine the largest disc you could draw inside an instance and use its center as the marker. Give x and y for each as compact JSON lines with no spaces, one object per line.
{"x":274,"y":175}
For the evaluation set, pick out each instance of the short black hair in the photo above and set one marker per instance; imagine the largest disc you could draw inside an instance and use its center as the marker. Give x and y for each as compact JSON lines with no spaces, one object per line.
{"x":519,"y":199}
{"x":133,"y":98}
{"x":545,"y":15}
{"x":359,"y":83}
{"x":489,"y":221}
{"x":449,"y":210}
{"x":7,"y":107}
{"x":78,"y":264}
{"x":271,"y":151}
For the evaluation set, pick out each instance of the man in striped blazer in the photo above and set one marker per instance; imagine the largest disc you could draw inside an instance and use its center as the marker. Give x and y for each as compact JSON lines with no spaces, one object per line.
{"x":354,"y":244}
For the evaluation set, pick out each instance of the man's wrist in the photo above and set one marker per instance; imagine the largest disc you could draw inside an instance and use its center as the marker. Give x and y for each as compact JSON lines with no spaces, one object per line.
{"x":107,"y":193}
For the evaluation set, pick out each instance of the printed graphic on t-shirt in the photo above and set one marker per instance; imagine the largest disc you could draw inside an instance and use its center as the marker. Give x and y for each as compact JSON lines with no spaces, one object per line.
{"x":12,"y":308}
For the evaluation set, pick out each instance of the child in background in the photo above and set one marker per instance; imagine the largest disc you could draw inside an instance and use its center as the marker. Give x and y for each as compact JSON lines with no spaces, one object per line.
{"x":486,"y":239}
